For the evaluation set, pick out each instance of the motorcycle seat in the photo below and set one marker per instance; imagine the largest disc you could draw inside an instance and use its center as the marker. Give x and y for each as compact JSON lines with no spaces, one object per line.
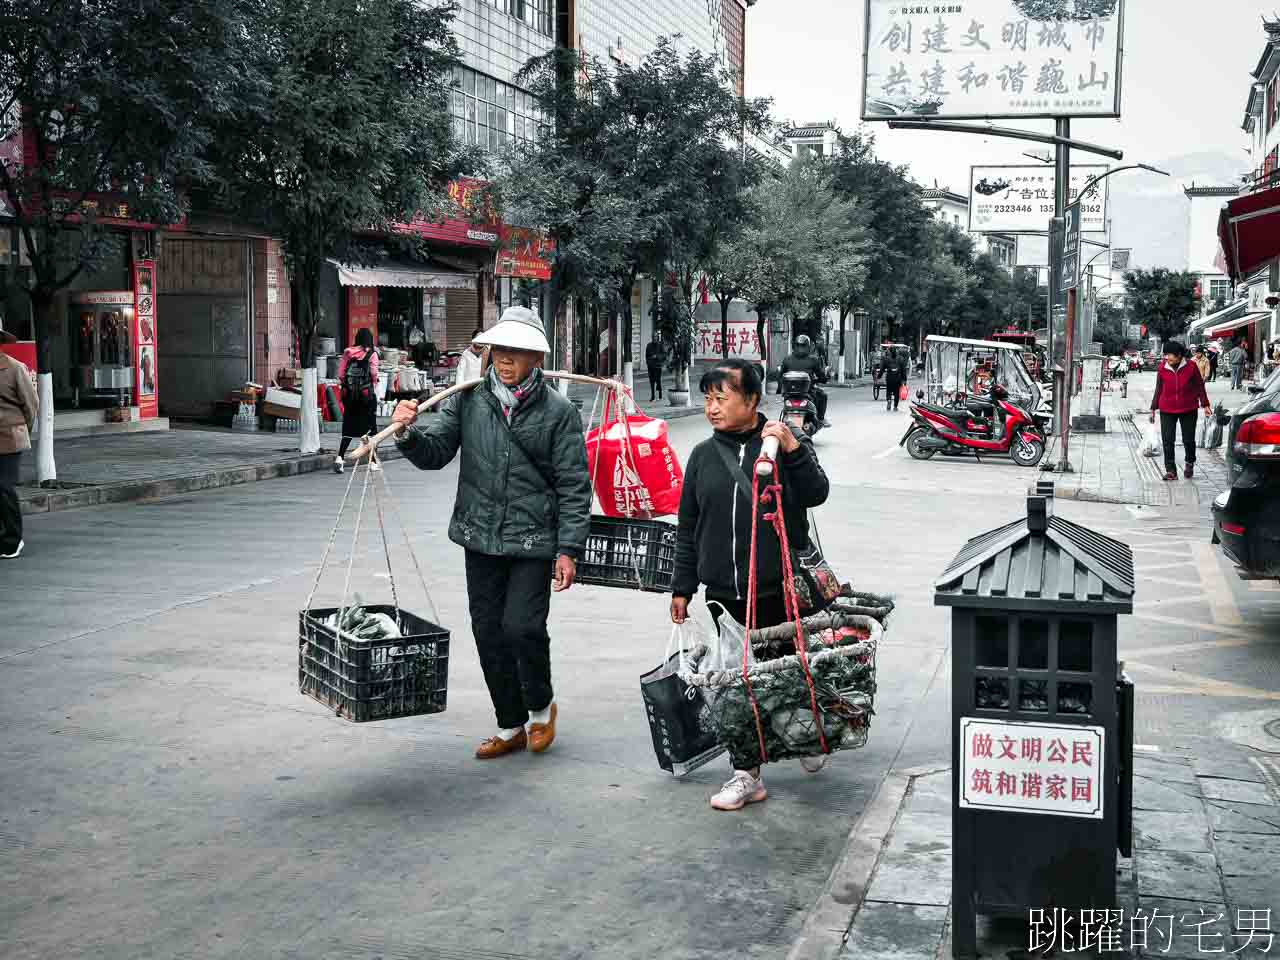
{"x":980,"y":408}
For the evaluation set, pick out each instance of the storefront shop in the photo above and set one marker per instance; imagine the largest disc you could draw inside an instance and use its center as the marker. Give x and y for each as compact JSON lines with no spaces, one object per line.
{"x":103,"y":349}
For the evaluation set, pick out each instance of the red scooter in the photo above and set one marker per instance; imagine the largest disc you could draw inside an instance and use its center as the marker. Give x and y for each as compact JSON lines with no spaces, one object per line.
{"x":975,"y":425}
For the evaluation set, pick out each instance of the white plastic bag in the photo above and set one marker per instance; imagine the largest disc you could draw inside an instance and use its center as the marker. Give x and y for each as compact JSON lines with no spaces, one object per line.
{"x":1152,"y":444}
{"x":725,"y":648}
{"x":1202,"y":434}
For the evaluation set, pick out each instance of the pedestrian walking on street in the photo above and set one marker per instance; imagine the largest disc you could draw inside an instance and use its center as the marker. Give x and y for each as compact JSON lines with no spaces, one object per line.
{"x":471,"y":363}
{"x":18,"y":408}
{"x":521,"y":515}
{"x":1213,"y":364}
{"x":655,"y":357}
{"x":1238,"y":357}
{"x":1202,"y":364}
{"x":1179,"y":391}
{"x":358,"y":376}
{"x":895,"y":377}
{"x":713,"y":536}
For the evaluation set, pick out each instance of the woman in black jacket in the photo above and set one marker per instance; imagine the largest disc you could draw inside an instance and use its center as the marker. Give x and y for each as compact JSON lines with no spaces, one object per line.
{"x":713,"y":539}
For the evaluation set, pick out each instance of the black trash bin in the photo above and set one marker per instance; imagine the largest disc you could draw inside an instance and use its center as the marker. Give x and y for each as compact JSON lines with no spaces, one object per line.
{"x":1042,"y":734}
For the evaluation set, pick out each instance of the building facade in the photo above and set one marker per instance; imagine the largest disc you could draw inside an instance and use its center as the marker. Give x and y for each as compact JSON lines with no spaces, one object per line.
{"x":1204,"y":206}
{"x":953,"y":209}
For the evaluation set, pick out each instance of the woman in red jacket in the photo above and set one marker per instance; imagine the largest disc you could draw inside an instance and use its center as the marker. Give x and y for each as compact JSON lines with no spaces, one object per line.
{"x":1179,"y":391}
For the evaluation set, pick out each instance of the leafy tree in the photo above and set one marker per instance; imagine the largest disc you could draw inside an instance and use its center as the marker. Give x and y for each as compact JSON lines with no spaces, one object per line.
{"x":1109,"y":328}
{"x":638,"y":171}
{"x":1165,"y":300}
{"x":109,"y":103}
{"x":345,"y":134}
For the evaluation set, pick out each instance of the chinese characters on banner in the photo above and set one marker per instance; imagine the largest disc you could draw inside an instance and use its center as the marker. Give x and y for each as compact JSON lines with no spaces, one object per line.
{"x":743,"y":340}
{"x":989,"y":58}
{"x":1031,"y":767}
{"x":1019,"y":198}
{"x":524,"y":252}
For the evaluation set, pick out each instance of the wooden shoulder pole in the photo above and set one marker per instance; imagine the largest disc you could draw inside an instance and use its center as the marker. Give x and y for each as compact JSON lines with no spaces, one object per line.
{"x":425,"y":403}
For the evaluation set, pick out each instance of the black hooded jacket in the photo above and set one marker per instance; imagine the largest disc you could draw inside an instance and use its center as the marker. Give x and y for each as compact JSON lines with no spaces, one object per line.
{"x":713,"y":541}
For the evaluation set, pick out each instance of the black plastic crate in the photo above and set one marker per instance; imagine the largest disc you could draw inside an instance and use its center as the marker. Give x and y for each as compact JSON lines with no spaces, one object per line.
{"x":364,"y":680}
{"x":638,"y":554}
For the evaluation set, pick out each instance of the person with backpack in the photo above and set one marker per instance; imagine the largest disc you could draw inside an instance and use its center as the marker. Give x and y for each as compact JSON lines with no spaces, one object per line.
{"x":358,"y":375}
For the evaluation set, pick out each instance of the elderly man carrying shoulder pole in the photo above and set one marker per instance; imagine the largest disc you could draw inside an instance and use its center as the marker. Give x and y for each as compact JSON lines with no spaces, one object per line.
{"x":522,"y":514}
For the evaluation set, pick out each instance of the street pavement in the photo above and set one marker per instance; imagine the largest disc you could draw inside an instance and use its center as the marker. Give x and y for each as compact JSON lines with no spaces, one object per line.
{"x":169,"y":794}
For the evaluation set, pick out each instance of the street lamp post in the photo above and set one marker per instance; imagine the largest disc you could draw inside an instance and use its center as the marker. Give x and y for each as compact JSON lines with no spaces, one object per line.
{"x":859,"y":331}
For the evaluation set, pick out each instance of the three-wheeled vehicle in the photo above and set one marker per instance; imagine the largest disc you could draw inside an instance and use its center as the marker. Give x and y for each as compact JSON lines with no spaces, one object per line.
{"x":956,"y":369}
{"x":878,"y":359}
{"x":1033,"y":352}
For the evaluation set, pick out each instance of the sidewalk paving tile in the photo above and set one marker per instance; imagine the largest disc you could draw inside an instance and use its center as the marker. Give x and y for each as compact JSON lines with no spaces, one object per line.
{"x":1171,"y":770}
{"x":1236,"y":791}
{"x":1247,"y":856}
{"x":1254,"y":893}
{"x":916,"y":867}
{"x":1186,"y":929}
{"x":895,"y":931}
{"x":1170,"y":798}
{"x":1176,"y":873}
{"x":1156,"y":830}
{"x":1227,"y":767}
{"x":1264,"y":820}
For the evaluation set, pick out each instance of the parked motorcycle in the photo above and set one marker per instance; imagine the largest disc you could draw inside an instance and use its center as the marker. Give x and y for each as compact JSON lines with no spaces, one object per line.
{"x":798,"y":407}
{"x":975,"y":425}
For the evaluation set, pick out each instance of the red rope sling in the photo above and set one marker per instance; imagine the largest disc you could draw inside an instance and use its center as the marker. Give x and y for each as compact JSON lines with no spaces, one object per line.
{"x":772,"y":492}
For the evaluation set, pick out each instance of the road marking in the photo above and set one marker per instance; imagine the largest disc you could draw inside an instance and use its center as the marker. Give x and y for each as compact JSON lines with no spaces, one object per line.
{"x":1222,"y":603}
{"x":1186,"y":584}
{"x":1170,"y":601}
{"x":1207,"y":686}
{"x":1188,"y":624}
{"x":1200,"y":646}
{"x":885,"y":453}
{"x":1148,"y":567}
{"x":1264,"y":586}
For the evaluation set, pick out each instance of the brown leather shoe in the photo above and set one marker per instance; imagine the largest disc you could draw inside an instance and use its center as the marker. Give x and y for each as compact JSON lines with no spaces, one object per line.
{"x":496,"y":747}
{"x":542,"y":735}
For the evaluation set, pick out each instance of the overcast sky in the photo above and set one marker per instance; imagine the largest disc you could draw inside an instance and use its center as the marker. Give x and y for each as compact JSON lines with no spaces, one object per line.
{"x":1186,"y":76}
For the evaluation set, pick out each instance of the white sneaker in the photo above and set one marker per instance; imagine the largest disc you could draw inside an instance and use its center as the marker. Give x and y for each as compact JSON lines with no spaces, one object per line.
{"x":375,"y":466}
{"x":14,"y":555}
{"x":337,"y":464}
{"x":742,"y":788}
{"x":813,"y":764}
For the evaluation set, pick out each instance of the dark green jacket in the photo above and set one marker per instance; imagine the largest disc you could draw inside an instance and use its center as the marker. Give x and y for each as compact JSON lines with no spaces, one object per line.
{"x":508,"y":505}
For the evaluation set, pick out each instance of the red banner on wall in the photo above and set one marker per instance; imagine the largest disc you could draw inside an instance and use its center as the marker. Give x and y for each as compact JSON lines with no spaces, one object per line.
{"x":146,"y":376}
{"x":524,"y":252}
{"x":362,"y":312}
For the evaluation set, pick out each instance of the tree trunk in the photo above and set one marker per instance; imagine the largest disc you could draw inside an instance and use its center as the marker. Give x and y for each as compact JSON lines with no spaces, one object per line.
{"x":309,"y":427}
{"x":762,"y":337}
{"x":44,"y":309}
{"x":724,"y":326}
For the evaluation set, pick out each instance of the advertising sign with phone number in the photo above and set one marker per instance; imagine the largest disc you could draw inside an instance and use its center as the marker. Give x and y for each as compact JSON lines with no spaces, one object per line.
{"x":1019,"y":199}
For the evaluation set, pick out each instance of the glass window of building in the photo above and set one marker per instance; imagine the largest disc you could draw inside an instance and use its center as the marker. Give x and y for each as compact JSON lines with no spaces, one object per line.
{"x":494,"y":114}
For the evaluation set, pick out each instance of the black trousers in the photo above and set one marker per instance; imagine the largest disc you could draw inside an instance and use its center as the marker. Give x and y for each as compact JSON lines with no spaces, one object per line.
{"x":655,"y":380}
{"x":892,"y":388}
{"x":509,"y":600}
{"x":820,"y":401}
{"x":1169,"y":434}
{"x":770,"y":611}
{"x":10,"y":511}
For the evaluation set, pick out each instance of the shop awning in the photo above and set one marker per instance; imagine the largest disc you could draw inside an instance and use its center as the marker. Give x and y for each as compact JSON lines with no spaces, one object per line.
{"x":1221,"y":316}
{"x":1237,"y":325}
{"x":390,"y":274}
{"x":1249,"y":230}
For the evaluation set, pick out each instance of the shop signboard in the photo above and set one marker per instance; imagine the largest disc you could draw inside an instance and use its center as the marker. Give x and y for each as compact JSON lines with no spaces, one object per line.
{"x":524,"y":252}
{"x":467,"y":195}
{"x":362,"y":312}
{"x":1019,"y":198}
{"x":984,"y":59}
{"x":144,"y":314}
{"x":744,"y":341}
{"x":1044,"y":768}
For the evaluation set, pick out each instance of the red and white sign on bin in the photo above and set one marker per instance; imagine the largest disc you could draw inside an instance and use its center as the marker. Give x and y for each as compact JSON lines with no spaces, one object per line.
{"x":1031,"y":767}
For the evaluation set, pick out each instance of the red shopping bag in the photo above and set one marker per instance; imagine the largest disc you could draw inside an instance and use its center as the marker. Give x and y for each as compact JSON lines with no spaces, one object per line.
{"x":903,"y":392}
{"x":634,"y":469}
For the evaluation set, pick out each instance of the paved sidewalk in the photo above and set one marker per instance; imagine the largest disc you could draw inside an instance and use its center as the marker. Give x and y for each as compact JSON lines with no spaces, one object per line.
{"x":1109,"y":467}
{"x":1206,"y":837}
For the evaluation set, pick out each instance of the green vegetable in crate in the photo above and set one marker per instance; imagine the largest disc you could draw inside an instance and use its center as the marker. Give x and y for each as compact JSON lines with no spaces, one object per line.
{"x":361,"y":624}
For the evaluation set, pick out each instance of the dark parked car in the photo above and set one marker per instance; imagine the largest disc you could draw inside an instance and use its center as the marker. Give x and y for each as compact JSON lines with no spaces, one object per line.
{"x":1246,"y":518}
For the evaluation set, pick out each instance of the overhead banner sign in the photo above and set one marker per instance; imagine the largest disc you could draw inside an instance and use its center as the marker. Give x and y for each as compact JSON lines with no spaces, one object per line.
{"x":985,"y":59}
{"x":1019,"y":198}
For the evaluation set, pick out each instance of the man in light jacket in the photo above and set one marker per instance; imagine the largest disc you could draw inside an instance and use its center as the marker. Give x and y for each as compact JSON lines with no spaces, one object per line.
{"x":18,"y":408}
{"x":1238,"y":358}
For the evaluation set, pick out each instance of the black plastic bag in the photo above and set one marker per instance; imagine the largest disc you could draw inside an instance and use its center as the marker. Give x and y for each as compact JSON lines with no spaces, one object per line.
{"x":683,"y":737}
